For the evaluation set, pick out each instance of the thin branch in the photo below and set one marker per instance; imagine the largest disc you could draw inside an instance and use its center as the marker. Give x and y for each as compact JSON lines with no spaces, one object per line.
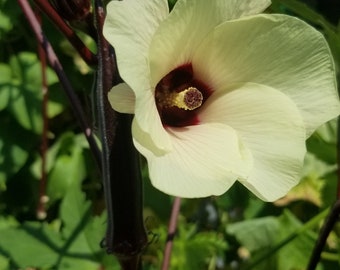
{"x":323,"y":235}
{"x":69,"y":33}
{"x":41,"y":212}
{"x":55,"y":64}
{"x":171,"y":233}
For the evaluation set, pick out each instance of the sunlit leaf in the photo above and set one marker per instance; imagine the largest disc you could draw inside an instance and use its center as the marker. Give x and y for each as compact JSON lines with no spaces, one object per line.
{"x":25,"y":94}
{"x":68,"y":167}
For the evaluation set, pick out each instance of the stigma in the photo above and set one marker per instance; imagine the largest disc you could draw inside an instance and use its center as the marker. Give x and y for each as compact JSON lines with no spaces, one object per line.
{"x":188,"y":99}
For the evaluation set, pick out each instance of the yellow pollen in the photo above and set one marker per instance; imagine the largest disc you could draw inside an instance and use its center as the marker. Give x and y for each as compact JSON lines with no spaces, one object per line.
{"x":188,"y":99}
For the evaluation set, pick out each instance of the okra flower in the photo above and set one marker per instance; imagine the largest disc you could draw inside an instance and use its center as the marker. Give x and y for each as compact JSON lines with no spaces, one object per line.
{"x":220,"y":93}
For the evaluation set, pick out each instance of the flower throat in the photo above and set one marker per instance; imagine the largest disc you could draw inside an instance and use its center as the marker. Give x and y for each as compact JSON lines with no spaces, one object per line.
{"x":178,"y":96}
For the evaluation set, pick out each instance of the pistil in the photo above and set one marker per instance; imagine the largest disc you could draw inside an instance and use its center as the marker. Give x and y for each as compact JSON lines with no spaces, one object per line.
{"x":188,"y":99}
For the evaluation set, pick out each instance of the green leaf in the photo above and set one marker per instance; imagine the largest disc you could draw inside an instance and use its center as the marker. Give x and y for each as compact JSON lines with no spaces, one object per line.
{"x":13,"y":149}
{"x":74,"y":210}
{"x":25,"y":94}
{"x":81,"y":231}
{"x":4,"y":263}
{"x":9,"y":13}
{"x":65,"y":164}
{"x":68,"y":168}
{"x":31,"y":245}
{"x":195,"y":251}
{"x":255,"y":234}
{"x":272,"y":240}
{"x":299,"y":249}
{"x":323,"y":142}
{"x":5,"y":85}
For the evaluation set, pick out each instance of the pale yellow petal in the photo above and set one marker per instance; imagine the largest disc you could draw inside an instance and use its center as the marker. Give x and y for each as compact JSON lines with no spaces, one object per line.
{"x":278,"y":51}
{"x":129,"y":27}
{"x":205,"y":160}
{"x":149,"y":122}
{"x":122,"y":98}
{"x":188,"y":24}
{"x":271,"y":127}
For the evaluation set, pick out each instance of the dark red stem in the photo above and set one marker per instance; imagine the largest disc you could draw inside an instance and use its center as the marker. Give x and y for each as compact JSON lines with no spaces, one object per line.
{"x":69,"y":33}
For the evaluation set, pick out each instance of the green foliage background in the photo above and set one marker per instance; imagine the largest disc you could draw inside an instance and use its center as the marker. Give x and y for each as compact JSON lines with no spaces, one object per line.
{"x":234,"y":231}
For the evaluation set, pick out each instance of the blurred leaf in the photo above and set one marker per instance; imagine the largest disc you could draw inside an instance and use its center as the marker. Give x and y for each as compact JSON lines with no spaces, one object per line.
{"x":7,"y":222}
{"x":253,"y":208}
{"x":31,"y":245}
{"x":255,"y":234}
{"x":327,"y":132}
{"x":8,"y":18}
{"x":310,"y":187}
{"x":299,"y":249}
{"x":263,"y":236}
{"x":13,"y":150}
{"x":4,"y":263}
{"x":57,"y":100}
{"x":329,"y":192}
{"x":194,"y":251}
{"x":76,"y":263}
{"x":77,"y":60}
{"x":25,"y":96}
{"x":5,"y":84}
{"x":65,"y":164}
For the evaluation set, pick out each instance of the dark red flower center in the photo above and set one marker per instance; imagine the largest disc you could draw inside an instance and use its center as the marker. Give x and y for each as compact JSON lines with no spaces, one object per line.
{"x":179,"y":95}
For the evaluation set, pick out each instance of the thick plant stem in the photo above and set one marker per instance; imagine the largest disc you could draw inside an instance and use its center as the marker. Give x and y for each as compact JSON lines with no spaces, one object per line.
{"x":171,"y":233}
{"x":125,"y":236}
